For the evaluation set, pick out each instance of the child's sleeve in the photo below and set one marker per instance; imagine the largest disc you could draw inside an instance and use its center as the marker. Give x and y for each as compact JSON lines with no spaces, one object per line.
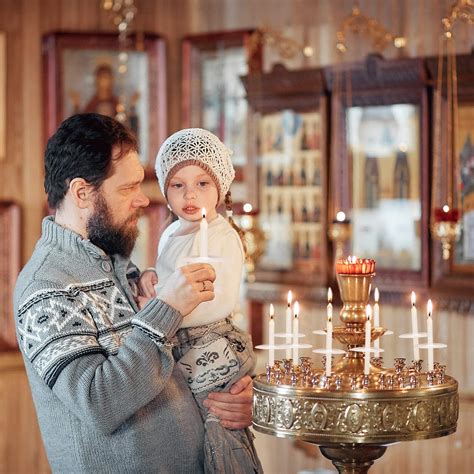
{"x":165,"y":236}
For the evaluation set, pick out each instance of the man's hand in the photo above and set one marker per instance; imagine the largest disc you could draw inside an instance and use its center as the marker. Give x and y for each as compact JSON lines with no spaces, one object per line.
{"x":233,"y":408}
{"x":188,"y":286}
{"x":142,"y":301}
{"x":146,"y":283}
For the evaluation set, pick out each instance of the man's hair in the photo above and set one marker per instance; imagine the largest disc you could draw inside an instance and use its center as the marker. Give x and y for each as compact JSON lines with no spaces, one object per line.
{"x":82,"y":148}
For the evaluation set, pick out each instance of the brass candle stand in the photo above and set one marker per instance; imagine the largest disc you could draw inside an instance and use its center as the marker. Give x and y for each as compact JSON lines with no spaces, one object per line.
{"x":352,"y":416}
{"x":447,"y":232}
{"x":339,"y":232}
{"x":255,"y":240}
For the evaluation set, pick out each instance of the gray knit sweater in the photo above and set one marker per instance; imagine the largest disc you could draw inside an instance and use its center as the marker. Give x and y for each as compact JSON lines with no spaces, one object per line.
{"x":107,"y":394}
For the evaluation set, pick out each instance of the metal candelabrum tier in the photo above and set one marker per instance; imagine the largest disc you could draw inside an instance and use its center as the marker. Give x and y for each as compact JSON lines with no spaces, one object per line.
{"x":352,"y":416}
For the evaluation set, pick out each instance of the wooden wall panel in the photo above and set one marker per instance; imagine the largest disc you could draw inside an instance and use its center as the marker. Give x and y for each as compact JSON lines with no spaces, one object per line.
{"x":21,"y":448}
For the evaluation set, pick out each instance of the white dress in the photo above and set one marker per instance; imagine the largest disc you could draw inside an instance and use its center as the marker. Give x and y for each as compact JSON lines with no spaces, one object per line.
{"x":181,"y":240}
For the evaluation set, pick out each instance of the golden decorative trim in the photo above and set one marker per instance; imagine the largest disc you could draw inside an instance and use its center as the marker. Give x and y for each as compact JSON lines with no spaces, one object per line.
{"x":385,"y":416}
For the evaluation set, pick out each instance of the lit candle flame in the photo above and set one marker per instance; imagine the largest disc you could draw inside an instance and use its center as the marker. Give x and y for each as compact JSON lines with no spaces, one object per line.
{"x":290,"y":298}
{"x":248,"y":207}
{"x":203,"y":211}
{"x":340,"y":216}
{"x":296,"y":309}
{"x":272,"y":311}
{"x":413,"y":298}
{"x":376,"y":295}
{"x":429,"y":308}
{"x":368,"y":312}
{"x":446,"y":208}
{"x":329,"y":295}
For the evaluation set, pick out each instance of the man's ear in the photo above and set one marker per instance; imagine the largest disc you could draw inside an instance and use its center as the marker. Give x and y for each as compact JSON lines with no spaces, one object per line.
{"x":81,"y":192}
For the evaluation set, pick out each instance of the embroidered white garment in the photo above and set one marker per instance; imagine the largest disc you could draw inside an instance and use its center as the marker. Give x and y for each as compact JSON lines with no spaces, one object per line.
{"x":181,"y":240}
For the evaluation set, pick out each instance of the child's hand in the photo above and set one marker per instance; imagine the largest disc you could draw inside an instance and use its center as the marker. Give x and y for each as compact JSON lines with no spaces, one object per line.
{"x":147,"y":282}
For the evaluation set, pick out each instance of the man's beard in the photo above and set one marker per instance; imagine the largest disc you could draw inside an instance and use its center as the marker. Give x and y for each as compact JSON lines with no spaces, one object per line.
{"x":110,"y":237}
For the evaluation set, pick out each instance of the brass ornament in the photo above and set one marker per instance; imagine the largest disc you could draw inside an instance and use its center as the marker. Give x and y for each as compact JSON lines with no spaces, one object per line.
{"x":360,"y":24}
{"x":286,"y":47}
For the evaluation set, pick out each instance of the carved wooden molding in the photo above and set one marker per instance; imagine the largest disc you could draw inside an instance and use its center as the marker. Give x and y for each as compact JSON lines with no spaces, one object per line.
{"x":283,"y":89}
{"x":377,"y":73}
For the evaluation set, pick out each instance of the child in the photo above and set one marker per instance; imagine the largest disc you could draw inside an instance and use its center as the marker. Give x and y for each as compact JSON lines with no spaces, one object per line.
{"x":195,"y":171}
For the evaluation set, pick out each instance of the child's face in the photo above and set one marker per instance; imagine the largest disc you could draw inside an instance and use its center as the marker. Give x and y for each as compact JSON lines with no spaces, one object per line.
{"x":191,"y":189}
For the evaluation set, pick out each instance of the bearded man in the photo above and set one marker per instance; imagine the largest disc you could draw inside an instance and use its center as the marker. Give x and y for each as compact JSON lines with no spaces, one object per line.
{"x":107,"y":393}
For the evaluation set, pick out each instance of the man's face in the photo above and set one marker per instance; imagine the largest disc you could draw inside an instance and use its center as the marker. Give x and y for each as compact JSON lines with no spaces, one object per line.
{"x":113,"y":225}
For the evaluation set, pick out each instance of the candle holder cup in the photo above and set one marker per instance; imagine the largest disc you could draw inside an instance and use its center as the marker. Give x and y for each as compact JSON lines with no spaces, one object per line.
{"x":354,"y":291}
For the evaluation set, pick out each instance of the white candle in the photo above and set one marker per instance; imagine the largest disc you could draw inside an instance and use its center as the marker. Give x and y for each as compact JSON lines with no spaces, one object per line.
{"x":271,"y":337}
{"x":329,"y":343}
{"x":295,"y":333}
{"x":429,"y":330}
{"x":368,"y":329}
{"x":289,"y":316}
{"x":376,"y":321}
{"x":414,"y":327}
{"x":203,"y":252}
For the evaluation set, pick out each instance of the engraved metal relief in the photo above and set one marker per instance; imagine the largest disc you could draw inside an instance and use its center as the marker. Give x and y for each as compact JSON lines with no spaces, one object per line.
{"x":388,"y":418}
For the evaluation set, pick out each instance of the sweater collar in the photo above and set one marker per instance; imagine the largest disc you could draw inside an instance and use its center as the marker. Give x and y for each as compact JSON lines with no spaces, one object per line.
{"x":68,"y":240}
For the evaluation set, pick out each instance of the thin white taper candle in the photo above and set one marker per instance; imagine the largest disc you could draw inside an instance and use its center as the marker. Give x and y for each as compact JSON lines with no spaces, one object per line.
{"x":203,"y":226}
{"x":328,"y":346}
{"x":429,"y":330}
{"x":289,"y":316}
{"x":271,"y":337}
{"x":295,"y":333}
{"x":368,"y":330}
{"x":414,"y":327}
{"x":376,"y":321}
{"x":329,"y":334}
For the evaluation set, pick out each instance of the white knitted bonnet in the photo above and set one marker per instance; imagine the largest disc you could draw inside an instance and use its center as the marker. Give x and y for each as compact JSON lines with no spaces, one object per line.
{"x":195,"y":146}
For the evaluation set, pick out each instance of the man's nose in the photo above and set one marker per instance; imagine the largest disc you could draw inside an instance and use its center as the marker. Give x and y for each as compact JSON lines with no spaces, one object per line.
{"x":141,"y":200}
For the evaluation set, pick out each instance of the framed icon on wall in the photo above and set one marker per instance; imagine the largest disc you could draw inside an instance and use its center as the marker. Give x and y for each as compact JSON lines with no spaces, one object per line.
{"x":87,"y":72}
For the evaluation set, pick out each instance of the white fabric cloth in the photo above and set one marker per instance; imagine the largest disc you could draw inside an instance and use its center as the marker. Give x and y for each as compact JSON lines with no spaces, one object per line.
{"x":181,"y":240}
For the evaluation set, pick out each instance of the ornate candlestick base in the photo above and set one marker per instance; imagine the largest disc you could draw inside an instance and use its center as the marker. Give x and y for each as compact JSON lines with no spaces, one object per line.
{"x":350,"y":459}
{"x":350,"y":409}
{"x":354,"y":423}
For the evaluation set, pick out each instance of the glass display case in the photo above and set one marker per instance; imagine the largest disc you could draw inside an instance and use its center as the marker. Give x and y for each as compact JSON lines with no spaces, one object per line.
{"x":379,"y":165}
{"x":289,"y":154}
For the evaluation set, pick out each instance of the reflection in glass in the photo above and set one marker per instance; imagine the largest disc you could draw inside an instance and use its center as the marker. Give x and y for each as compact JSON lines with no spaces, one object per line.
{"x":383,"y":142}
{"x":291,"y":190}
{"x":92,"y":84}
{"x":224,"y":106}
